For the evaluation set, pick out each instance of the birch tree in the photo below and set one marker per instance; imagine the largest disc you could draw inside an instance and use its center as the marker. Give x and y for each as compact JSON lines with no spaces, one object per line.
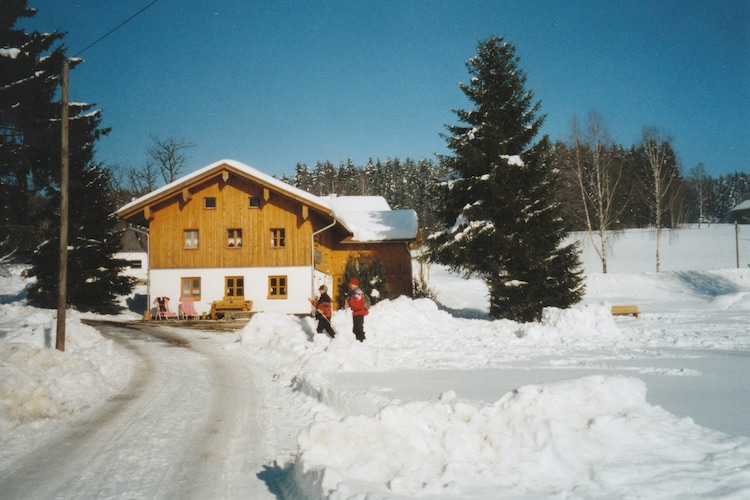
{"x":598,"y":173}
{"x":658,"y":173}
{"x":699,"y":182}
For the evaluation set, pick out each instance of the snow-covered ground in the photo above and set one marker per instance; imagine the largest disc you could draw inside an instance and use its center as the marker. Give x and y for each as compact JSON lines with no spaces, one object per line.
{"x":439,"y":402}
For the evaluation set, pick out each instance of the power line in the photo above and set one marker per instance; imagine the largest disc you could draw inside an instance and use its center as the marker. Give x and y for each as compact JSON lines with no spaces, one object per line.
{"x":126,"y":21}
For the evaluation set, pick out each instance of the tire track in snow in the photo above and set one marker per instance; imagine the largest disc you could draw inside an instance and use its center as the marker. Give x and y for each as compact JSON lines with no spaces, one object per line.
{"x":186,"y":426}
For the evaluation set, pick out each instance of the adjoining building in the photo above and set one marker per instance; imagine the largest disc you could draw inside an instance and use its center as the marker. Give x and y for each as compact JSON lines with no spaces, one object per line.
{"x":741,"y":213}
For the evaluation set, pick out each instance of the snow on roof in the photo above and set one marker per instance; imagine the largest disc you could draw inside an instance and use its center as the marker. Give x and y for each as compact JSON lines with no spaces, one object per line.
{"x":12,"y":52}
{"x":368,"y":218}
{"x":383,"y":225}
{"x":356,"y":203}
{"x":745,"y":205}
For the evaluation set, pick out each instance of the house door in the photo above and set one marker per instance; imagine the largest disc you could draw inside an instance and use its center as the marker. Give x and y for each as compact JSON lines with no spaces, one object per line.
{"x":234,"y":288}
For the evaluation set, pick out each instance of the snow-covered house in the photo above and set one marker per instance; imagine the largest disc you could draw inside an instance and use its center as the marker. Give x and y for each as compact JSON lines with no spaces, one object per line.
{"x":741,"y":213}
{"x":229,"y":231}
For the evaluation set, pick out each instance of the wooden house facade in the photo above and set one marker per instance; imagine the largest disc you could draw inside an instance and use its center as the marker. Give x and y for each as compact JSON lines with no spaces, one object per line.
{"x":231,"y":232}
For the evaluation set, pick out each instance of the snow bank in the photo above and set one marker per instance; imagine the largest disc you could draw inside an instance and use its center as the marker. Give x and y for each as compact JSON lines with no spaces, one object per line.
{"x":406,"y":333}
{"x":37,"y":381}
{"x":592,"y":436}
{"x":411,"y":334}
{"x":13,"y":281}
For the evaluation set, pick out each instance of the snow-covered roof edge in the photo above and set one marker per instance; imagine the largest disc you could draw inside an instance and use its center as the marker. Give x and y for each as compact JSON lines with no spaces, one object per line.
{"x":367,"y":218}
{"x":370,"y":219}
{"x":745,"y":205}
{"x":241,"y":167}
{"x":381,"y":225}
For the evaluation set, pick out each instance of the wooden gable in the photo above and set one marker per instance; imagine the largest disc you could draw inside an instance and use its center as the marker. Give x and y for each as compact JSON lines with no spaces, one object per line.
{"x":240,"y":222}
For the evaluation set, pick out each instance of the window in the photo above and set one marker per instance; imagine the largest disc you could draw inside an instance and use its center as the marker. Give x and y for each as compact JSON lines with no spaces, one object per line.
{"x":234,"y":238}
{"x":277,"y":287}
{"x":191,"y":288}
{"x":253,"y":202}
{"x":234,"y":286}
{"x":209,"y":202}
{"x":278,"y":238}
{"x":191,"y":238}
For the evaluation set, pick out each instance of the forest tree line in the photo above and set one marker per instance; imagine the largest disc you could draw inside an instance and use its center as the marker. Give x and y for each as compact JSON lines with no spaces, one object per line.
{"x":693,"y":198}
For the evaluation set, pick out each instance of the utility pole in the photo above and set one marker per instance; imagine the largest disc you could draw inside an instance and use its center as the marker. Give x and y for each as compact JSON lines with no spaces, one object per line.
{"x":737,"y":242}
{"x":62,"y":287}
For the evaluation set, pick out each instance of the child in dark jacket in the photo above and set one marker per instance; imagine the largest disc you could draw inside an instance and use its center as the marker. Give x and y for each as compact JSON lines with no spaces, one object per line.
{"x":323,"y":311}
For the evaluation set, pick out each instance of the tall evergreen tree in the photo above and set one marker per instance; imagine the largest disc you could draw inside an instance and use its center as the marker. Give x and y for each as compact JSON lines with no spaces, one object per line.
{"x":30,"y":65}
{"x":503,"y":223}
{"x":95,"y":278}
{"x":30,"y":152}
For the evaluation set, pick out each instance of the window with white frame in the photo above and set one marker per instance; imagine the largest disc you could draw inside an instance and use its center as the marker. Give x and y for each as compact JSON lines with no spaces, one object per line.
{"x":234,"y":238}
{"x":191,"y":238}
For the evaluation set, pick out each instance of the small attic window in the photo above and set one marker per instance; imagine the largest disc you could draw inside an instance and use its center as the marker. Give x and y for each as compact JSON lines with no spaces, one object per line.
{"x":253,"y":202}
{"x":209,"y":202}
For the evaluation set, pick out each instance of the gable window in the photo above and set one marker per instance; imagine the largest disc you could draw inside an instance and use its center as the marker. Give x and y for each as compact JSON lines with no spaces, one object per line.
{"x":191,"y":288}
{"x":234,"y":286}
{"x":209,"y":202}
{"x":191,"y":238}
{"x":277,"y":287}
{"x":253,"y":202}
{"x":234,"y":238}
{"x":278,"y":238}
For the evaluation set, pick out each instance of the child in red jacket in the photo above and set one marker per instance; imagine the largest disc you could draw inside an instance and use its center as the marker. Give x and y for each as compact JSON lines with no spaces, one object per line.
{"x":356,"y":303}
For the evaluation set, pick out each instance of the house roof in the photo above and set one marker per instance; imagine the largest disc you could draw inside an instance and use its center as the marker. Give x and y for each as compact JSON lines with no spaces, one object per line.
{"x":745,"y":205}
{"x":370,"y":218}
{"x":212,"y":170}
{"x":367,"y":218}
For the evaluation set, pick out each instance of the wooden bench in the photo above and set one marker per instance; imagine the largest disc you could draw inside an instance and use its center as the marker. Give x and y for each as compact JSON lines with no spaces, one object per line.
{"x":625,"y":310}
{"x":228,"y":306}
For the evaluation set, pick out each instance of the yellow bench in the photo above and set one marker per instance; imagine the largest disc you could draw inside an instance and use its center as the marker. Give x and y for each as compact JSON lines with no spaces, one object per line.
{"x":625,"y":310}
{"x":229,"y":305}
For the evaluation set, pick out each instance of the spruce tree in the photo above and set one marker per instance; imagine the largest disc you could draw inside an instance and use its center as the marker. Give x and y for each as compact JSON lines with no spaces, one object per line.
{"x":371,"y":275}
{"x":502,"y":221}
{"x":95,"y":278}
{"x":30,"y":65}
{"x":30,"y":151}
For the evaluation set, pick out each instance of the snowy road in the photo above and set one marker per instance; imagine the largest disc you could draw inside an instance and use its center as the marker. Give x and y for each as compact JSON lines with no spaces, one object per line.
{"x":187,"y":426}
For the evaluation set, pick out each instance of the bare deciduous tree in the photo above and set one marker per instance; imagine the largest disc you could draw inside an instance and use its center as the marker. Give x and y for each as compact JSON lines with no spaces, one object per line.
{"x":169,"y":155}
{"x":699,"y":181}
{"x":659,"y":171}
{"x":597,"y":172}
{"x":143,"y":180}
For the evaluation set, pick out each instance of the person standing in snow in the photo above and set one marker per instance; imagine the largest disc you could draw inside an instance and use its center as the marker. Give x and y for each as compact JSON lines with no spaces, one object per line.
{"x":356,"y":303}
{"x":323,"y":311}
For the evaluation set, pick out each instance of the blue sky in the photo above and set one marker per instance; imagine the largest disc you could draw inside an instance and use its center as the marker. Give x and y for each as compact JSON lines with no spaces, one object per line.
{"x":273,"y":84}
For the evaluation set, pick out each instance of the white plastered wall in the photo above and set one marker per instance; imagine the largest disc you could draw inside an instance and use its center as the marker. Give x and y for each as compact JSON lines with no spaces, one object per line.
{"x":166,"y":282}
